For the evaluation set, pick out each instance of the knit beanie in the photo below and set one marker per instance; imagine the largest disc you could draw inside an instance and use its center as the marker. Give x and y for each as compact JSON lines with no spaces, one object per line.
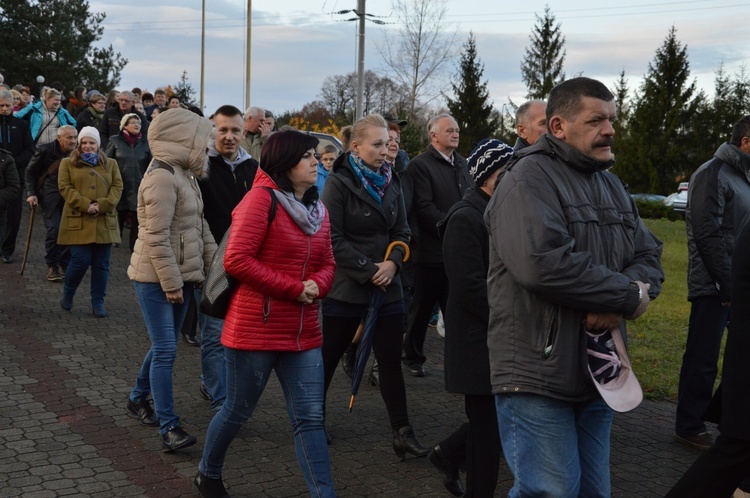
{"x":90,"y":132}
{"x":126,"y":118}
{"x":488,"y":156}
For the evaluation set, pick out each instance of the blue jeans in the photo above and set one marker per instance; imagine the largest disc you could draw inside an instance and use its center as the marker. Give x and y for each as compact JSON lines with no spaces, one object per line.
{"x":212,"y":356}
{"x":163,"y":321}
{"x":81,"y":257}
{"x":301,"y":377}
{"x":555,"y":448}
{"x":699,"y":363}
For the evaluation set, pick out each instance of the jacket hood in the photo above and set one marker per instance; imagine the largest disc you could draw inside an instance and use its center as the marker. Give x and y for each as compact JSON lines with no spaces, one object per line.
{"x":552,"y":146}
{"x":735,"y":157}
{"x":179,"y":138}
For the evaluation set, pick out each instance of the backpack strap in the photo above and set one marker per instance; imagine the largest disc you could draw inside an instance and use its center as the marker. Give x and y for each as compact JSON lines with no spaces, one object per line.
{"x":272,"y":211}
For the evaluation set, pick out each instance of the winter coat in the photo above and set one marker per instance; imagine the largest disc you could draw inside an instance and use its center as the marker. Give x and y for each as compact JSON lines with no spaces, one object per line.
{"x":253,"y":144}
{"x":223,"y":189}
{"x":270,"y":262}
{"x":110,"y":125}
{"x":735,"y":376}
{"x":132,"y":161}
{"x":361,"y":230}
{"x":718,"y":208}
{"x":80,"y":184}
{"x":15,"y":137}
{"x":34,"y":114}
{"x":466,"y":253}
{"x":438,"y":185}
{"x":174,"y":242}
{"x":9,"y":183}
{"x":87,"y":118}
{"x":400,"y":169}
{"x":565,"y":239}
{"x":43,"y":160}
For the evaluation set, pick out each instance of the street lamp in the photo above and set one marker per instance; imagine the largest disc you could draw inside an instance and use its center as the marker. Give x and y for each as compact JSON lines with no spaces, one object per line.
{"x":40,"y":80}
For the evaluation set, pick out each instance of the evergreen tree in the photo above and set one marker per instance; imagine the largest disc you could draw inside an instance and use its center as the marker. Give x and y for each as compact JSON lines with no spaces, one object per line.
{"x":54,"y":39}
{"x":622,"y":108}
{"x":185,"y":91}
{"x":542,"y":66}
{"x":661,"y":128}
{"x":472,"y":108}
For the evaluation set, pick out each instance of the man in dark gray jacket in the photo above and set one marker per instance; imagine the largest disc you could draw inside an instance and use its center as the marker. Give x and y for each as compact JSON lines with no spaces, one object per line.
{"x":531,"y":123}
{"x":440,"y":178}
{"x":718,"y":208}
{"x":568,"y":254}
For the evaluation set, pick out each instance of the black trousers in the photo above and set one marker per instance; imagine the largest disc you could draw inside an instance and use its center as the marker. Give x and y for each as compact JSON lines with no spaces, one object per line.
{"x":430,"y":287}
{"x":13,"y":224}
{"x":121,"y":215}
{"x":338,"y":333}
{"x":55,"y":254}
{"x":717,"y":472}
{"x":475,"y":446}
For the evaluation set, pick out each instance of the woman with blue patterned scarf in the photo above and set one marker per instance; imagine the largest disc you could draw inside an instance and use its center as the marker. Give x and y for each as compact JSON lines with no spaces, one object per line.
{"x":367,"y":213}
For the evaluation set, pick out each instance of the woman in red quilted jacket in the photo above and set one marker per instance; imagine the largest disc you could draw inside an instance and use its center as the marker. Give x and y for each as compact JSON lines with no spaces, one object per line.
{"x":367,"y":213}
{"x":279,"y":251}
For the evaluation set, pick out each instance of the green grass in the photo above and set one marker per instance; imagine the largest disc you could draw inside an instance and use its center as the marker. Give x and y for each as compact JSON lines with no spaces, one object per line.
{"x":657,"y":339}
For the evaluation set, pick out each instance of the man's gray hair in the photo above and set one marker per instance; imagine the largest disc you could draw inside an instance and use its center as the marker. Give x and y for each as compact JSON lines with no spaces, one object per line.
{"x":433,"y":120}
{"x":63,"y":128}
{"x":127,"y":93}
{"x":522,"y":113}
{"x":254,"y":111}
{"x":6,"y":95}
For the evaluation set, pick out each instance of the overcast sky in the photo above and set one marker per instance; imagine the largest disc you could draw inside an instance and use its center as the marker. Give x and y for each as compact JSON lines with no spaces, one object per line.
{"x":297,"y":43}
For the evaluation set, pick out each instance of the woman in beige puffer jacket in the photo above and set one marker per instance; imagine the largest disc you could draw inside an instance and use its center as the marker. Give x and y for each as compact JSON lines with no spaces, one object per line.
{"x":171,"y":256}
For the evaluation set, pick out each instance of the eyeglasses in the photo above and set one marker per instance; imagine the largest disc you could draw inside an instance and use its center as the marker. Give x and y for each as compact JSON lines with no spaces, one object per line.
{"x":317,"y":156}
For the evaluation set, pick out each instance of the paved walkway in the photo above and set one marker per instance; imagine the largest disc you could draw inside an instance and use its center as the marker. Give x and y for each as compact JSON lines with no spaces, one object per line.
{"x":65,"y":376}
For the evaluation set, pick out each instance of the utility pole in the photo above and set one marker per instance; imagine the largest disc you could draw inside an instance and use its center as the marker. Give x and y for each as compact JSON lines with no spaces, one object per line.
{"x":360,"y":60}
{"x":203,"y":52}
{"x":248,"y":48}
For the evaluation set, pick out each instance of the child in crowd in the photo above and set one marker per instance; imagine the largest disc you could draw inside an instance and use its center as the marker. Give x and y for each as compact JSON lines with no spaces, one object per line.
{"x":327,"y":157}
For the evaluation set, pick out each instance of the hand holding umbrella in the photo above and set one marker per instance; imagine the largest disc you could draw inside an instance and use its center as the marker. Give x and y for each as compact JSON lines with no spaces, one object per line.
{"x":381,"y":279}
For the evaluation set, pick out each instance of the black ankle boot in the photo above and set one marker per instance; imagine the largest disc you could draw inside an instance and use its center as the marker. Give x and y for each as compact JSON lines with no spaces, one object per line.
{"x":348,"y":359}
{"x":404,"y":441}
{"x":209,"y":488}
{"x":451,"y":479}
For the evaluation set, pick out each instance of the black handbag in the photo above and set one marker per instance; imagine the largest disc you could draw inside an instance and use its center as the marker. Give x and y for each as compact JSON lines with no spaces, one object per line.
{"x":219,"y":285}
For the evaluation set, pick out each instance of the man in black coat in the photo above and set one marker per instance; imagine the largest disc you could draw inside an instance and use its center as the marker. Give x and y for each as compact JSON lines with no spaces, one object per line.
{"x":110,"y":125}
{"x":723,"y":467}
{"x":15,"y":138}
{"x":440,"y":178}
{"x":41,"y":188}
{"x":9,"y":185}
{"x":230,"y":177}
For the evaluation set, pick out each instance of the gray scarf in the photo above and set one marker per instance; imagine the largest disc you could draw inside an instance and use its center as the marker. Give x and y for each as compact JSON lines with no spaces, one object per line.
{"x":308,"y":219}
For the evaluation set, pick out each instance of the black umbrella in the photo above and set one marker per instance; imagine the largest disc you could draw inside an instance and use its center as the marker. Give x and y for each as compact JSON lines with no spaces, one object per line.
{"x":377,"y":296}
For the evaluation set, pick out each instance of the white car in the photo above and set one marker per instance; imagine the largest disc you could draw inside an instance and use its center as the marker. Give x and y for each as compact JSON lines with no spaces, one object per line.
{"x":678,"y":201}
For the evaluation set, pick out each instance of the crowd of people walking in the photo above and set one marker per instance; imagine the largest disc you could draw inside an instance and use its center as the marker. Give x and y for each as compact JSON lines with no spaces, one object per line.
{"x":535,"y":255}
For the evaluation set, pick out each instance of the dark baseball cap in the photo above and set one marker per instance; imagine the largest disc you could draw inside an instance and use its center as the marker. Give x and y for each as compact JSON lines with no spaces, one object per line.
{"x":401,"y":123}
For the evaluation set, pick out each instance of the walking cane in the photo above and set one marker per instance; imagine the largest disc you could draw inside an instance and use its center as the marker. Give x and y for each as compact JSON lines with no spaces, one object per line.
{"x":28,"y":239}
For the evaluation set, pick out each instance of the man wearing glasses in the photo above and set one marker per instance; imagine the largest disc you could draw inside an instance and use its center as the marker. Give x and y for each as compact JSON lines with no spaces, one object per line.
{"x":110,"y":124}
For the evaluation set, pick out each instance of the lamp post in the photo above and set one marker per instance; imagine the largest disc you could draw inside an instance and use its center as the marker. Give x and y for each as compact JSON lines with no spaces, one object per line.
{"x":40,"y":80}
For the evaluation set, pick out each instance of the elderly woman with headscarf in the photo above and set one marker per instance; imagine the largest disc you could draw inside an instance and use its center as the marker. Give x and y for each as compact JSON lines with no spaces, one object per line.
{"x":130,"y":150}
{"x":46,"y":116}
{"x":170,"y":258}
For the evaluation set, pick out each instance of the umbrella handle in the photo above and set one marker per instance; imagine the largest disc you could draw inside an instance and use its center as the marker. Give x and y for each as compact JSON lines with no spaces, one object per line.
{"x":396,"y":243}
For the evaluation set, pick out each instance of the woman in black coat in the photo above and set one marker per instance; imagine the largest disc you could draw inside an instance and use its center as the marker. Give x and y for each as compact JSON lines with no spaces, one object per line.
{"x":721,"y":469}
{"x":476,"y":444}
{"x":366,"y":211}
{"x":133,"y":156}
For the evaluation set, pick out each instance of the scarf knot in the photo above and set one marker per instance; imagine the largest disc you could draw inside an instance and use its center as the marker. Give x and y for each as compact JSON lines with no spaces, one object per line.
{"x":375,"y":182}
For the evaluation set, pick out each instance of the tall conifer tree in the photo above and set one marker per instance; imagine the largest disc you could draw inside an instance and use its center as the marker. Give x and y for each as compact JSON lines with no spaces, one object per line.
{"x":542,"y":66}
{"x":471,"y":107}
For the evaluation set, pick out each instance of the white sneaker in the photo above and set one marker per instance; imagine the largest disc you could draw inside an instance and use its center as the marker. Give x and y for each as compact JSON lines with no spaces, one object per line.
{"x":441,"y":325}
